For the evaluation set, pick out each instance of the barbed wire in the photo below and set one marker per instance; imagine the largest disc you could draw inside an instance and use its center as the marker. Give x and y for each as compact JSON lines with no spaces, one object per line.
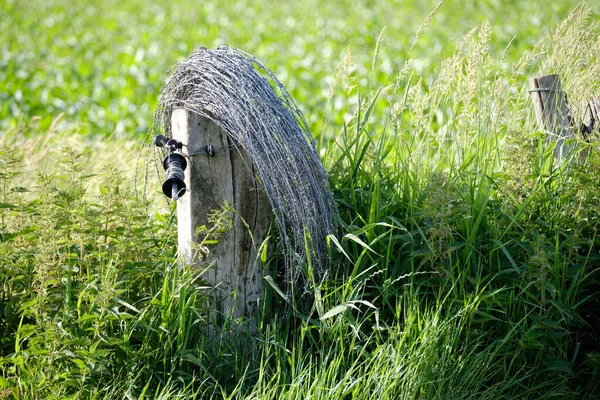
{"x":234,"y":90}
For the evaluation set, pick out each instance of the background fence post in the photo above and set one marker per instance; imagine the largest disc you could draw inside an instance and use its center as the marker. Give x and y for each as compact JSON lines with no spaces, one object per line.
{"x":227,"y":176}
{"x":591,"y":118}
{"x":551,"y":110}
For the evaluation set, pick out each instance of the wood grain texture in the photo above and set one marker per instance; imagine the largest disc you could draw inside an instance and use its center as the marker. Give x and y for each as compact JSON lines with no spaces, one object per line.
{"x":552,"y":113}
{"x":235,"y":272}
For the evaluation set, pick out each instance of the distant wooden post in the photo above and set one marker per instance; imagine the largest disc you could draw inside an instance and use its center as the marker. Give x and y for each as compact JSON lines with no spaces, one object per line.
{"x":551,"y":110}
{"x":591,"y":118}
{"x":211,"y":180}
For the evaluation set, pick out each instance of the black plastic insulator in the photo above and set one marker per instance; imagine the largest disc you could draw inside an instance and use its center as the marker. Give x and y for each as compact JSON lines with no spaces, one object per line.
{"x":160,"y":140}
{"x":175,"y":157}
{"x":173,"y":145}
{"x":174,"y":185}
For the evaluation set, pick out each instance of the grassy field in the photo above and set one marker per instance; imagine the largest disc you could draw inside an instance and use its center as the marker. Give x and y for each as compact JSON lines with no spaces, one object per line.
{"x":466,"y":259}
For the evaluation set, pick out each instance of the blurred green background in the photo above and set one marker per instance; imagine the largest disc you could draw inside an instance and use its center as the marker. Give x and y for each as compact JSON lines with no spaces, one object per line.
{"x":101,"y":63}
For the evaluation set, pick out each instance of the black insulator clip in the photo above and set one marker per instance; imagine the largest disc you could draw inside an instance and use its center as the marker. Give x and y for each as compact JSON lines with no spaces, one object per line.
{"x":171,"y":144}
{"x":174,"y":185}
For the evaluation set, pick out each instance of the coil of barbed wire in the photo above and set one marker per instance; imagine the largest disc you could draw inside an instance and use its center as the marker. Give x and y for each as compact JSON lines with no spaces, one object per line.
{"x":245,"y":99}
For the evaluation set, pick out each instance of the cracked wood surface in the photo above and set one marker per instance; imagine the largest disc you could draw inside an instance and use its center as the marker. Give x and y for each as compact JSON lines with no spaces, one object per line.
{"x":552,"y":113}
{"x":232,"y":266}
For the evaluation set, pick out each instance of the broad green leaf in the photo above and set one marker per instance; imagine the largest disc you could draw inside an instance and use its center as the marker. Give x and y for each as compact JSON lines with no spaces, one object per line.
{"x":332,"y":238}
{"x":356,"y":239}
{"x":79,"y":363}
{"x":271,"y":282}
{"x":335,"y":311}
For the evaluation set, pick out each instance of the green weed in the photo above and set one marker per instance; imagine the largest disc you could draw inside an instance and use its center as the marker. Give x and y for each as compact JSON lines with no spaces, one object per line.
{"x":466,"y":261}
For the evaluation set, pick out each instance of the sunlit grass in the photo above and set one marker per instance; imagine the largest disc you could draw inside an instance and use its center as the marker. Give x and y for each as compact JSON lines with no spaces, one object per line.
{"x":465,"y":265}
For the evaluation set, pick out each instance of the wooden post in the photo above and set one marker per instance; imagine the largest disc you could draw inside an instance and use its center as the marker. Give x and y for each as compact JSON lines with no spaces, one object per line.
{"x":551,"y":110}
{"x":235,"y":272}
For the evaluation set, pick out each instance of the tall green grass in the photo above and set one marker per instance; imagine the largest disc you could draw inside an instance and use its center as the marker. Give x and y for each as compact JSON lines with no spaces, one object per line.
{"x":465,"y":265}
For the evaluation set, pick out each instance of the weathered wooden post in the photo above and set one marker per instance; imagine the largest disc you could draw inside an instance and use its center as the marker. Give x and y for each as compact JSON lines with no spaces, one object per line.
{"x":591,"y":118}
{"x":218,"y":172}
{"x":551,"y":111}
{"x":235,"y":133}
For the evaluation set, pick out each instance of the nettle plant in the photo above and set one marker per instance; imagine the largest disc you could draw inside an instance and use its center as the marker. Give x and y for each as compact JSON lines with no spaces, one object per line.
{"x":84,"y":277}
